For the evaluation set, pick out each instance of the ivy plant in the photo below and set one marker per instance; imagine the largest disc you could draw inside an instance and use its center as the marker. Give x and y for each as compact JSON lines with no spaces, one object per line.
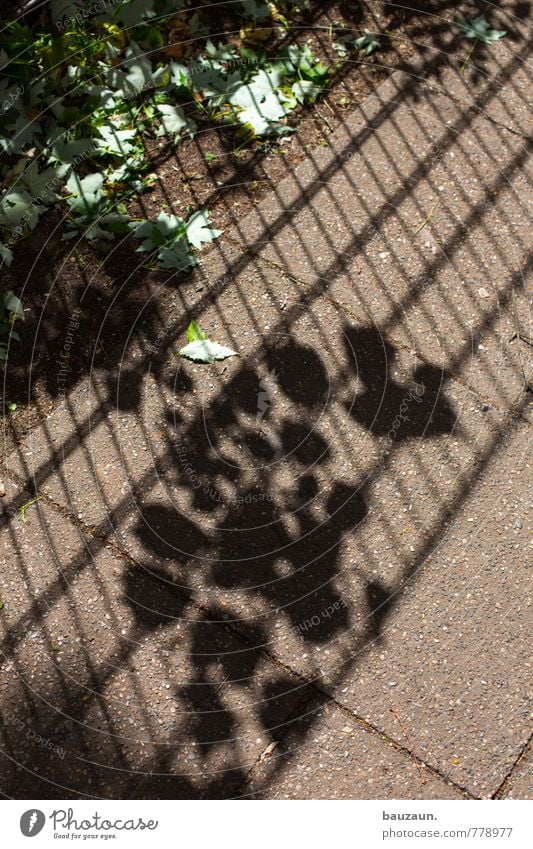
{"x":11,"y":310}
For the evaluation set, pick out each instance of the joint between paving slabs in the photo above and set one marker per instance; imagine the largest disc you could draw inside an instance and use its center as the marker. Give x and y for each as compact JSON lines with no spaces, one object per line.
{"x":428,"y":85}
{"x":523,"y":754}
{"x":34,"y":493}
{"x":359,"y":722}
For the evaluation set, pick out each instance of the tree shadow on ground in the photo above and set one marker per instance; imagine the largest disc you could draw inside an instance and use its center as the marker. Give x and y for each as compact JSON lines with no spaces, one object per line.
{"x":266,"y":560}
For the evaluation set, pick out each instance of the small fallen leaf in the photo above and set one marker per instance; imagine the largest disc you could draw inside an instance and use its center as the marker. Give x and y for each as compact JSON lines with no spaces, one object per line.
{"x":201,"y":349}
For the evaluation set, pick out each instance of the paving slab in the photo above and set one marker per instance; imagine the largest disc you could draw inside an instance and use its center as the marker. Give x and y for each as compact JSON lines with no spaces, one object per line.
{"x":452,"y":659}
{"x":112,"y":686}
{"x":497,"y":85}
{"x":340,"y":760}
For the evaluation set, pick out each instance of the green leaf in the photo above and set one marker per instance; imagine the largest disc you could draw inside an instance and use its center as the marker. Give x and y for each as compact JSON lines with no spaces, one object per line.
{"x":257,"y":9}
{"x":221,"y":54}
{"x":261,"y":103}
{"x":64,"y":9}
{"x":177,"y":257}
{"x":107,"y":96}
{"x":480,"y":29}
{"x":115,"y":141}
{"x":158,"y":232}
{"x":87,"y":192}
{"x":179,"y":75}
{"x":131,"y":12}
{"x":11,"y":310}
{"x":13,"y":306}
{"x":67,"y":151}
{"x":203,"y":350}
{"x":6,"y":254}
{"x":174,"y":120}
{"x":207,"y":77}
{"x":194,"y":333}
{"x":107,"y":226}
{"x":172,"y":237}
{"x":16,"y":207}
{"x":341,"y":46}
{"x":135,"y":74}
{"x":20,"y":134}
{"x":305,"y":90}
{"x":294,"y":58}
{"x":43,"y":185}
{"x":199,"y":230}
{"x":366,"y":43}
{"x":139,"y":74}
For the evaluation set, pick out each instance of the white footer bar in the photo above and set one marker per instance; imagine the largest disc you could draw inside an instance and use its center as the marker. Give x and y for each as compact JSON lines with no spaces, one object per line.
{"x":267,"y":825}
